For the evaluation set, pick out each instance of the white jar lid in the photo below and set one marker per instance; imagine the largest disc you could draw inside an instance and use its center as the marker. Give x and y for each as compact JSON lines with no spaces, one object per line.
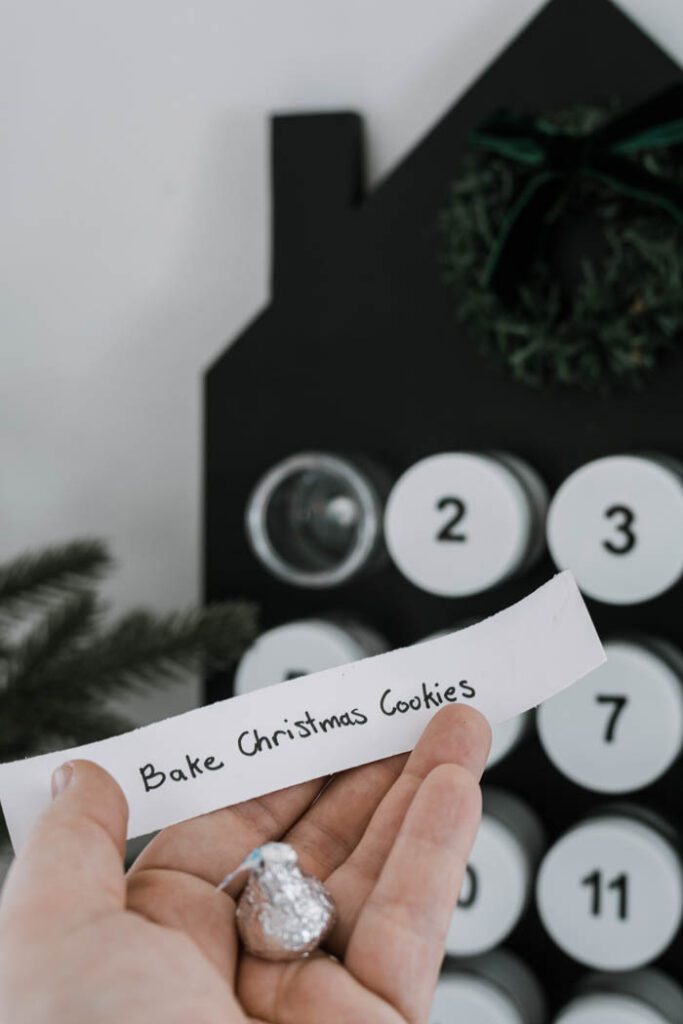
{"x":497,"y":988}
{"x":466,"y":998}
{"x":637,"y":997}
{"x":498,"y":882}
{"x":299,"y":648}
{"x":621,"y":727}
{"x":610,"y":893}
{"x":616,"y":523}
{"x":458,"y":523}
{"x":506,"y":737}
{"x":609,"y":1008}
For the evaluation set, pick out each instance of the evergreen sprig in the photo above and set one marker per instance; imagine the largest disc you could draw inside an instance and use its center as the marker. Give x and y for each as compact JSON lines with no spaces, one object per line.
{"x":40,"y":576}
{"x":61,"y":663}
{"x":622,"y":313}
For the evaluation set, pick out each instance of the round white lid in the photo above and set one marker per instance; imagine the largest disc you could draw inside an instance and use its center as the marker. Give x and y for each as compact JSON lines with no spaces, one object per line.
{"x":609,"y":1008}
{"x":616,"y":523}
{"x":610,"y":893}
{"x":619,"y":728}
{"x":467,"y":999}
{"x":458,"y":523}
{"x":295,"y":649}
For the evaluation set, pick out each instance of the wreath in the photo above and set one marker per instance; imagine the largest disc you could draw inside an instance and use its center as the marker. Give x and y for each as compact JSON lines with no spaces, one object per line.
{"x":563,"y":242}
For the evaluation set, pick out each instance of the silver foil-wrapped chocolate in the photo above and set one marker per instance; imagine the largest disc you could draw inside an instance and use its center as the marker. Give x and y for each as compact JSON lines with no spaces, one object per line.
{"x":282,"y":913}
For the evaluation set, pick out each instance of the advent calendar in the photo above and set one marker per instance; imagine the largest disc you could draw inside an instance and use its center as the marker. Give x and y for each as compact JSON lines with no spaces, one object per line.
{"x":372,"y":480}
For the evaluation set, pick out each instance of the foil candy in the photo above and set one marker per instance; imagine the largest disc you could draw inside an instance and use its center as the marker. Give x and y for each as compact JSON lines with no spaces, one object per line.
{"x":282,"y":913}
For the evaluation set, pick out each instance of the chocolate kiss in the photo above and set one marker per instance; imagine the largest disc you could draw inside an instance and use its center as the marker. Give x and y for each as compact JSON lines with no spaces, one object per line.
{"x":282,"y":913}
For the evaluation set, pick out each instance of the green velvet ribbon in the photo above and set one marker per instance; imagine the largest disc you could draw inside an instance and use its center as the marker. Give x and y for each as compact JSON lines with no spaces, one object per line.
{"x":558,"y":158}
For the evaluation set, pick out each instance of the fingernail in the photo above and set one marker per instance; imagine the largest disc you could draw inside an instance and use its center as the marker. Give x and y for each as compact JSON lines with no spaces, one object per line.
{"x":61,"y":777}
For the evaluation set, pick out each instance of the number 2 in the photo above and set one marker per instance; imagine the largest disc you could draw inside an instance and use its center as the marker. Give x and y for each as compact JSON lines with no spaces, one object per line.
{"x":446,"y":532}
{"x":619,"y":705}
{"x":625,"y":527}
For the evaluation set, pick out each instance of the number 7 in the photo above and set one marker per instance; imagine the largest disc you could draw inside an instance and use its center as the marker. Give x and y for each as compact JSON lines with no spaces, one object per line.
{"x":619,"y":705}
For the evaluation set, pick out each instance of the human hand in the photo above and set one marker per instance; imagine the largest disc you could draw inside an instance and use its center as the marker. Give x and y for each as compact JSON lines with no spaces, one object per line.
{"x":82,"y":943}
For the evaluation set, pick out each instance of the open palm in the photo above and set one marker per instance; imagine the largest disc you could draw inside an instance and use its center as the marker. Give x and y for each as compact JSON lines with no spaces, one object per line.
{"x":82,"y":943}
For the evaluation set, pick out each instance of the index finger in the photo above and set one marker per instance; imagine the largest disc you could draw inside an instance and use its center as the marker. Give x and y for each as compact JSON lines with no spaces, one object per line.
{"x":397,"y":945}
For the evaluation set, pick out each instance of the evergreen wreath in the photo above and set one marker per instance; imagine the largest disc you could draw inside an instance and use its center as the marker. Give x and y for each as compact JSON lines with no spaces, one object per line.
{"x":563,"y":242}
{"x":60,"y":662}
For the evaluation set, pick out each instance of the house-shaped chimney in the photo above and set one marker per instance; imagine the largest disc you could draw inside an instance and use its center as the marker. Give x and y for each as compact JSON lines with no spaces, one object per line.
{"x":317,"y":177}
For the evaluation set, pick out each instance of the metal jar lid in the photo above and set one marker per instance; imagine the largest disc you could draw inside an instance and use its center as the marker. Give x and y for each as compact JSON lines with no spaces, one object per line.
{"x":314,"y":519}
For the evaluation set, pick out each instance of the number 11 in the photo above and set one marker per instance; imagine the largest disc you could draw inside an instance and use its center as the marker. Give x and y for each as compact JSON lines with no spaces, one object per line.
{"x":620,"y":884}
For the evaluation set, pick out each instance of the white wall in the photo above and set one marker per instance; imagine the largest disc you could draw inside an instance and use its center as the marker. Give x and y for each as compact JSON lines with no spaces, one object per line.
{"x":134,"y":216}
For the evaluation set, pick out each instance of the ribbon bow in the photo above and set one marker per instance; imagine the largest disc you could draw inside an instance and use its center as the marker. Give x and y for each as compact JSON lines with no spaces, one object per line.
{"x":559,"y":157}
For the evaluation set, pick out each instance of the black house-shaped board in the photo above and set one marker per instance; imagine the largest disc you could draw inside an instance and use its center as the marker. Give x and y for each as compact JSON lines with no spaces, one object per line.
{"x":359,"y":352}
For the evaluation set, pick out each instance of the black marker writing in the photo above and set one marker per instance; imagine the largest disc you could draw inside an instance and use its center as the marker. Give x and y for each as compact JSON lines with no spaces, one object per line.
{"x":253,"y":741}
{"x":153,"y":777}
{"x":429,"y":697}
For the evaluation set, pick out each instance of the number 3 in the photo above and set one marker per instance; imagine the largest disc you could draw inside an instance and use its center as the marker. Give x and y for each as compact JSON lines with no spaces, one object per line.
{"x":623,"y":527}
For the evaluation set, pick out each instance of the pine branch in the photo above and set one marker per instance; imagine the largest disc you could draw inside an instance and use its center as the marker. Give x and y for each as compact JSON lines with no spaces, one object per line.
{"x":59,"y":665}
{"x":40,"y":577}
{"x":84,"y":725}
{"x":144,"y":649}
{"x":52,"y":723}
{"x":51,"y":640}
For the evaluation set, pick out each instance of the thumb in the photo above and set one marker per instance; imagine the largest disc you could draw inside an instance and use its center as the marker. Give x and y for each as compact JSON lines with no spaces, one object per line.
{"x":70,"y":869}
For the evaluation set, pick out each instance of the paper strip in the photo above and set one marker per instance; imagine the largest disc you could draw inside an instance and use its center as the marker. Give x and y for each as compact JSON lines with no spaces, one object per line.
{"x":325,"y":722}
